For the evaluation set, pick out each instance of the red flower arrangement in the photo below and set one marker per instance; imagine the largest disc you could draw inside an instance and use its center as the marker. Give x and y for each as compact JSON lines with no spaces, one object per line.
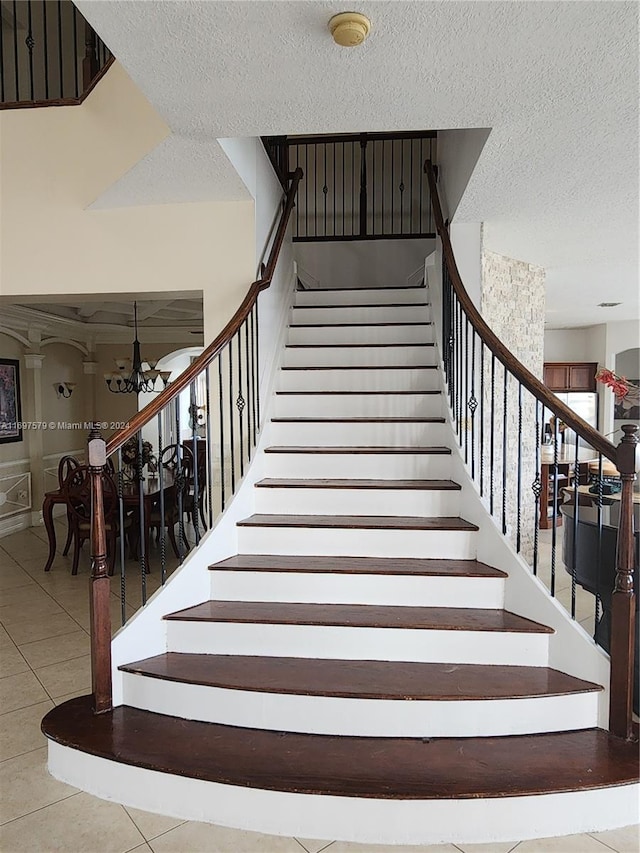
{"x":618,"y":384}
{"x":626,"y":393}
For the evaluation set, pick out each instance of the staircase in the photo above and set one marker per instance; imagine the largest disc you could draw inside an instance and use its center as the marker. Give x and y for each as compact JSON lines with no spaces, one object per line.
{"x":354,"y":674}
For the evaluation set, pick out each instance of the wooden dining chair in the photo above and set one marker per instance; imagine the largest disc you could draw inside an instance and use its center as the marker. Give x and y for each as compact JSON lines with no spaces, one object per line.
{"x":65,"y":466}
{"x":77,"y":493}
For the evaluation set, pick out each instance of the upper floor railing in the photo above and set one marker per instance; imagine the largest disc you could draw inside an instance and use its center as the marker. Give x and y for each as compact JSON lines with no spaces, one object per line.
{"x":500,"y":411}
{"x":49,"y":54}
{"x":364,"y":186}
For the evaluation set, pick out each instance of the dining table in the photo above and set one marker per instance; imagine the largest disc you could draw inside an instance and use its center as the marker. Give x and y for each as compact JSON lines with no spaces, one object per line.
{"x":134,"y":494}
{"x":563,"y":462}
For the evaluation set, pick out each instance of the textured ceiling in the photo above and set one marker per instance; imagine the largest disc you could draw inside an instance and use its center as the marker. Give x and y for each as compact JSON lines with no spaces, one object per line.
{"x":557,"y":82}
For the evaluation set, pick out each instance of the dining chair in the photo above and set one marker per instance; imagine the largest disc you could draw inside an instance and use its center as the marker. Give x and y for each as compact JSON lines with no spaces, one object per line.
{"x":77,"y":493}
{"x":65,"y":466}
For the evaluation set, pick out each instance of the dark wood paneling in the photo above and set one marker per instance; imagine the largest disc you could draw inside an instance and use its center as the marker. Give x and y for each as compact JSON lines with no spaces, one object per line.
{"x":438,"y":768}
{"x":360,"y":616}
{"x":361,"y":679}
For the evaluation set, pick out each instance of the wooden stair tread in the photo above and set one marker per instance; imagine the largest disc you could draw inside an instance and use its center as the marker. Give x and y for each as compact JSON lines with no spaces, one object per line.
{"x":362,"y":367}
{"x":347,"y":766}
{"x":360,"y":325}
{"x":368,"y":305}
{"x":371,"y":346}
{"x":416,"y":485}
{"x":346,"y":420}
{"x":359,"y":565}
{"x":386,"y":393}
{"x":359,"y":522}
{"x":361,"y":679}
{"x":341,"y":449}
{"x":360,"y":616}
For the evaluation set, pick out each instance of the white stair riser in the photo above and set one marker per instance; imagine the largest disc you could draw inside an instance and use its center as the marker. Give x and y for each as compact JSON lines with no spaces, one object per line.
{"x":344,"y":356}
{"x":362,"y":296}
{"x":360,"y":465}
{"x":361,"y":717}
{"x":346,"y":643}
{"x":358,"y":405}
{"x":371,"y":821}
{"x":306,"y":541}
{"x":357,"y":501}
{"x":361,"y":334}
{"x":336,"y":434}
{"x":362,"y":314}
{"x":339,"y":588}
{"x":352,"y":379}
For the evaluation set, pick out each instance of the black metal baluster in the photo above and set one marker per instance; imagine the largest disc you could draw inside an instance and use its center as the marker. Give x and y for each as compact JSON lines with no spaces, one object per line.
{"x":296,"y":225}
{"x":15,"y":49}
{"x":231,"y":420}
{"x":210,"y":462}
{"x":401,"y":186}
{"x":536,"y":488}
{"x":504,"y":452}
{"x":315,"y":190}
{"x":76,"y":65}
{"x":221,"y":416}
{"x":180,"y":479}
{"x":353,"y":189}
{"x":430,"y":206}
{"x":325,"y":188}
{"x":411,"y":188}
{"x":576,"y":480}
{"x":482,"y":414}
{"x":363,"y":185}
{"x":306,"y":190}
{"x":240,"y":405}
{"x":60,"y":53}
{"x":195,"y":500}
{"x":382,"y":177}
{"x":163,"y":509}
{"x":46,"y":49}
{"x":420,"y":206}
{"x":393,"y":184}
{"x":253,"y":374}
{"x":123,"y":582}
{"x":492,"y":432}
{"x":519,"y":480}
{"x":467,"y":364}
{"x":29,"y":41}
{"x":344,"y":200}
{"x":248,"y":386}
{"x":554,"y":508}
{"x":333,"y":161}
{"x":459,"y":367}
{"x":598,"y":603}
{"x":259,"y":420}
{"x":142,"y":521}
{"x":473,"y":404}
{"x":2,"y":75}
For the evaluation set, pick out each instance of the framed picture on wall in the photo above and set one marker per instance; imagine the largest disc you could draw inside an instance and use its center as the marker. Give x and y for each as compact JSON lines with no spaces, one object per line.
{"x":10,"y":410}
{"x":629,"y":408}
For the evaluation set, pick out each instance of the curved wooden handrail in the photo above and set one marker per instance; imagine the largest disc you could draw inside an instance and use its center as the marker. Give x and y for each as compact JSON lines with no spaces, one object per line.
{"x":205,"y":358}
{"x":495,"y":345}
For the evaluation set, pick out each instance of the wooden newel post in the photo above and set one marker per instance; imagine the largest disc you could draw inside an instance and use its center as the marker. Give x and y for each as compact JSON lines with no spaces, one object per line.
{"x":100,"y":584}
{"x":623,"y":609}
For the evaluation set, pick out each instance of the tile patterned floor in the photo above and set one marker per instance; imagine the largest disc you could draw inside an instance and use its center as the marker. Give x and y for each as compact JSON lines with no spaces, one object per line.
{"x":44,"y":660}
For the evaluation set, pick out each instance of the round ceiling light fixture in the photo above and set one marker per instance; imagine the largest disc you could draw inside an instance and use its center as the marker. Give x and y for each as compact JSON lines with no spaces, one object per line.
{"x":349,"y":29}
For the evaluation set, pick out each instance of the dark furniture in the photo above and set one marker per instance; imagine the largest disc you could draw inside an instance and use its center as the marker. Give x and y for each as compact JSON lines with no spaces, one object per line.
{"x":595,"y":561}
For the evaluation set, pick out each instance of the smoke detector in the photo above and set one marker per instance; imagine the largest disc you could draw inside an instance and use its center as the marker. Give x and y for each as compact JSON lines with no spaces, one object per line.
{"x":349,"y":29}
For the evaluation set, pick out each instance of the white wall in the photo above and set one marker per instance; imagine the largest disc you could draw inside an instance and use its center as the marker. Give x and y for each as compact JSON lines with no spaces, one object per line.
{"x":370,"y":263}
{"x":458,"y":153}
{"x":466,"y":240}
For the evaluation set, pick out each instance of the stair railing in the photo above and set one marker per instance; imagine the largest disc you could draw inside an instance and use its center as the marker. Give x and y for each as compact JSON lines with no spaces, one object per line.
{"x":195,"y":475}
{"x":500,"y":411}
{"x":49,"y":55}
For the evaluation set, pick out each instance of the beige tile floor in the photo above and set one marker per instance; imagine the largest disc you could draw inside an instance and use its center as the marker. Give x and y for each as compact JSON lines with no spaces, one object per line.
{"x":44,"y":659}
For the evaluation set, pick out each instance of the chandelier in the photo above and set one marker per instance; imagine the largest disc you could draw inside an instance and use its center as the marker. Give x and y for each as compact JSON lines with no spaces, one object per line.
{"x":131,"y":377}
